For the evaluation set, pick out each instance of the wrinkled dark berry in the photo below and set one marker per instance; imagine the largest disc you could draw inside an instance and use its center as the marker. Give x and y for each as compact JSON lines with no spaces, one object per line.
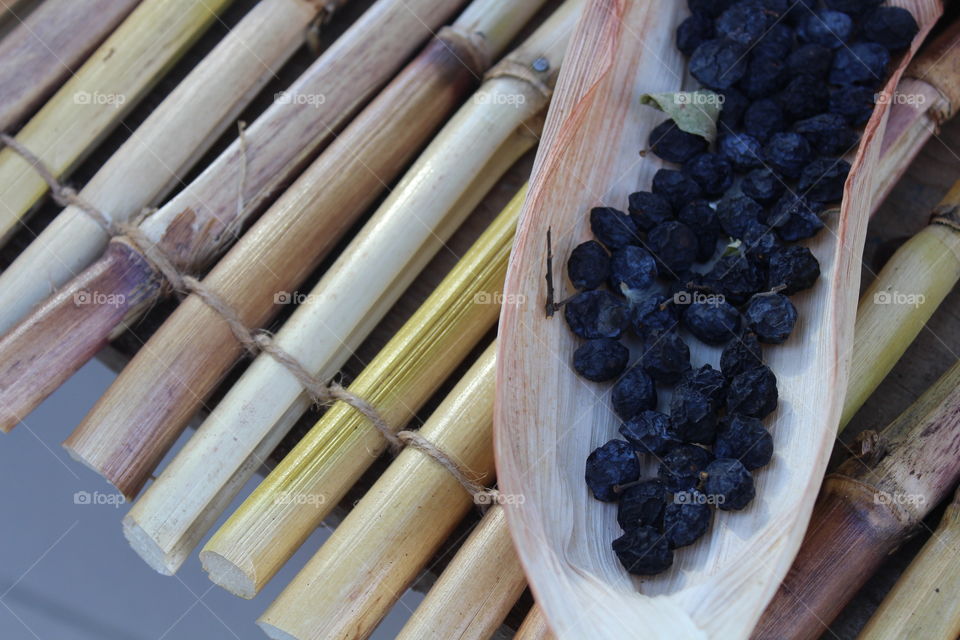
{"x":742,"y":150}
{"x":759,"y":242}
{"x":775,"y":43}
{"x":795,"y":218}
{"x":732,"y":109}
{"x":686,"y":522}
{"x":632,"y":268}
{"x":596,"y":314}
{"x":763,"y":119}
{"x":601,"y":359}
{"x":853,"y":7}
{"x":675,"y":247}
{"x":853,"y":102}
{"x":735,"y":277}
{"x":718,"y":63}
{"x":588,"y":266}
{"x":771,"y":316}
{"x":803,"y":97}
{"x":693,"y":32}
{"x":650,"y":432}
{"x":763,"y":186}
{"x":828,"y":28}
{"x":712,"y":172}
{"x":713,"y":322}
{"x":649,"y":209}
{"x":708,"y":381}
{"x":653,"y":314}
{"x":641,"y":505}
{"x":794,"y":268}
{"x":893,"y":27}
{"x":609,"y":465}
{"x":765,"y":75}
{"x":741,"y":354}
{"x":702,"y":219}
{"x":860,"y":63}
{"x":666,"y":357}
{"x":745,"y":439}
{"x":743,"y":23}
{"x":676,"y":187}
{"x":711,"y":8}
{"x":813,"y":60}
{"x":736,"y":213}
{"x":788,"y":153}
{"x":753,"y":392}
{"x":633,"y":393}
{"x":692,"y":416}
{"x":673,"y":144}
{"x":643,"y":551}
{"x":822,"y":180}
{"x":680,"y":467}
{"x":729,"y":483}
{"x":613,"y":227}
{"x":828,"y":133}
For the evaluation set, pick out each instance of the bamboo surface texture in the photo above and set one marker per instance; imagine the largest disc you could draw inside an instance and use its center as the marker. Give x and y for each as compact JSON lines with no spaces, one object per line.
{"x":476,"y":590}
{"x":547,"y":420}
{"x":866,"y":509}
{"x":390,"y":535}
{"x":152,"y":160}
{"x":923,"y":605}
{"x":43,"y":48}
{"x":98,"y":95}
{"x":264,"y":532}
{"x":535,"y":626}
{"x":196,"y":348}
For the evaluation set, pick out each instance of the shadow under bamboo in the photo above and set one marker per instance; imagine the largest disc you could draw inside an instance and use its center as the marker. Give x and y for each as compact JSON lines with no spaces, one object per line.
{"x":401,"y":522}
{"x":923,"y":605}
{"x":97,"y":97}
{"x":194,"y":347}
{"x":200,"y":222}
{"x":866,"y":509}
{"x":40,"y":51}
{"x":169,"y":142}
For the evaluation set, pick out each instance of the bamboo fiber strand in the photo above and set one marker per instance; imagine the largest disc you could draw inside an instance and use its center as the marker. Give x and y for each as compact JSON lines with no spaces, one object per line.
{"x":102,"y":91}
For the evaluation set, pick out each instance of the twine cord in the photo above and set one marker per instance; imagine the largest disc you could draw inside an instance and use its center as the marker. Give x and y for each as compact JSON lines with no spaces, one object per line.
{"x":253,"y":341}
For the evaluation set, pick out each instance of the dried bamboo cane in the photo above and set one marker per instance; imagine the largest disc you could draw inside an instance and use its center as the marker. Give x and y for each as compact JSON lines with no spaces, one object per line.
{"x":203,"y":219}
{"x":534,"y":626}
{"x":39,"y":52}
{"x":398,"y":381}
{"x":923,"y":605}
{"x":433,"y":193}
{"x":866,"y":509}
{"x":96,"y":98}
{"x":284,"y":245}
{"x":148,"y":165}
{"x":415,"y":504}
{"x":477,"y":589}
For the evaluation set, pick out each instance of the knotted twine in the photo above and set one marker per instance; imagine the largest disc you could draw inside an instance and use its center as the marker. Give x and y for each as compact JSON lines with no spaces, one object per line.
{"x":254,"y":341}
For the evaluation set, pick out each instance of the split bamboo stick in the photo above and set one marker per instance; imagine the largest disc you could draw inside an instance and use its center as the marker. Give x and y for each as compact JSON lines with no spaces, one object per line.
{"x":477,"y":589}
{"x":204,"y":218}
{"x":260,"y":536}
{"x":168,"y":143}
{"x":866,"y":509}
{"x":42,"y":50}
{"x":534,"y":626}
{"x":330,"y":458}
{"x":923,"y":605}
{"x":94,"y":100}
{"x":194,"y":348}
{"x":391,"y":534}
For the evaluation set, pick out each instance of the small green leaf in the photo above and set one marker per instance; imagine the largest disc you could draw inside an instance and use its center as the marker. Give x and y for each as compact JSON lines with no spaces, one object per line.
{"x":694,"y":111}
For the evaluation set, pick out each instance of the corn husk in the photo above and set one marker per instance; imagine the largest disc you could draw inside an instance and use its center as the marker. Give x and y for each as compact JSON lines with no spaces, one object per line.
{"x":547,"y":420}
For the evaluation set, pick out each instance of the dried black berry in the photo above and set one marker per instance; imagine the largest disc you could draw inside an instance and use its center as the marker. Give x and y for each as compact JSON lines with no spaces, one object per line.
{"x":822,"y":180}
{"x":745,"y":439}
{"x":825,"y":27}
{"x":613,"y":227}
{"x":718,"y":63}
{"x":693,"y":32}
{"x":765,"y":76}
{"x":653,"y":314}
{"x":788,"y":153}
{"x":742,"y":150}
{"x":743,"y":23}
{"x":708,"y":381}
{"x":650,"y":432}
{"x":632,"y":268}
{"x":853,"y":102}
{"x":813,"y":60}
{"x":713,"y":322}
{"x":675,"y":247}
{"x":771,"y":316}
{"x":712,"y":172}
{"x":736,"y":213}
{"x":763,"y":119}
{"x":828,"y":133}
{"x":793,"y":268}
{"x":803,"y":97}
{"x":673,"y":144}
{"x":795,"y":218}
{"x":734,"y":105}
{"x":741,"y":354}
{"x":641,"y":505}
{"x":753,"y":392}
{"x":763,"y":186}
{"x":680,"y":467}
{"x":759,"y":243}
{"x":711,"y":8}
{"x":686,"y":522}
{"x":735,"y":277}
{"x":702,"y":219}
{"x":676,"y":187}
{"x":666,"y":357}
{"x":649,"y":209}
{"x":633,"y":393}
{"x":893,"y":27}
{"x":609,"y":465}
{"x":729,"y":483}
{"x":643,"y":551}
{"x":775,"y":43}
{"x":853,"y":7}
{"x":588,"y":266}
{"x":861,"y":63}
{"x":601,"y":359}
{"x":596,"y":314}
{"x":692,"y":415}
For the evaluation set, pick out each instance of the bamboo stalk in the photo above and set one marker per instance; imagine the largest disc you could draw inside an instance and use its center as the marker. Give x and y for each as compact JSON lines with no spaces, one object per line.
{"x":12,"y":11}
{"x":39,"y":52}
{"x":387,"y":254}
{"x":477,"y":589}
{"x":898,"y":303}
{"x":120,"y":72}
{"x":375,"y":564}
{"x":405,"y":373}
{"x":202,"y":220}
{"x":168,"y":143}
{"x":534,"y":626}
{"x":866,"y":509}
{"x":194,"y":348}
{"x":923,"y":604}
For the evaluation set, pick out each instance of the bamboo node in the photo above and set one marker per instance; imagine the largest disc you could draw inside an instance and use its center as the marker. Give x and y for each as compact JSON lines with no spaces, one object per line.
{"x":947,"y":215}
{"x":526,"y":73}
{"x":471,"y":45}
{"x":871,"y":447}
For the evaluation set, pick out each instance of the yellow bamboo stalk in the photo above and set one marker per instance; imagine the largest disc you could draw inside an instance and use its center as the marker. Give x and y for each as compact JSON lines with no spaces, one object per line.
{"x":534,"y":626}
{"x":390,"y":535}
{"x":477,"y":589}
{"x":258,"y":538}
{"x":96,"y":98}
{"x":923,"y":605}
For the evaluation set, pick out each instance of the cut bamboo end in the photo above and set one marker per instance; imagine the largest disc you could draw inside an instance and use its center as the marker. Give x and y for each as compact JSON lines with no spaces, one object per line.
{"x":225,"y":573}
{"x":534,"y":626}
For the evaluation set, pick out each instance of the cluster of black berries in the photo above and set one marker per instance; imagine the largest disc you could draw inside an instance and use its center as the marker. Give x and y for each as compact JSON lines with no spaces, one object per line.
{"x":796,"y":78}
